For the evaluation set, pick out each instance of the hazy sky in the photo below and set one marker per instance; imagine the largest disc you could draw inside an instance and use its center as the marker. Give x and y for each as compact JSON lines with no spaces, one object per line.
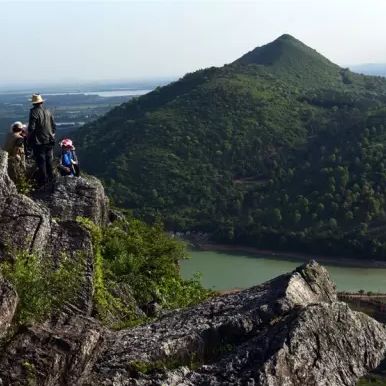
{"x":82,"y":40}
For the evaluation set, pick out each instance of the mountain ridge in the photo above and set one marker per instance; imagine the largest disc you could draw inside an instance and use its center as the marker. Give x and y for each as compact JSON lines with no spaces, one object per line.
{"x":179,"y":151}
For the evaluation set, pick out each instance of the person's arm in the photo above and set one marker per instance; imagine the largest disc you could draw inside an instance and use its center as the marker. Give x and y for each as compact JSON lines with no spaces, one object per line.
{"x":33,"y":117}
{"x":53,"y":124}
{"x":74,"y":157}
{"x":32,"y":122}
{"x":64,"y":170}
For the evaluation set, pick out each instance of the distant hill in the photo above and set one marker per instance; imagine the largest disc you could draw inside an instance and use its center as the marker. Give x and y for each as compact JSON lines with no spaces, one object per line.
{"x":279,"y":149}
{"x":378,"y":69}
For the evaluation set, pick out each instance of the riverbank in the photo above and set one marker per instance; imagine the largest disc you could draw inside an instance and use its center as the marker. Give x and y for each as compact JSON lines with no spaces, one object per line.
{"x":291,"y":256}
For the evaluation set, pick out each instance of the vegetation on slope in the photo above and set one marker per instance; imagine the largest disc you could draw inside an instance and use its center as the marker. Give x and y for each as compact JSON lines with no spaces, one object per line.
{"x":372,"y":380}
{"x":41,"y":287}
{"x":281,"y":149}
{"x":137,"y":264}
{"x":134,"y":264}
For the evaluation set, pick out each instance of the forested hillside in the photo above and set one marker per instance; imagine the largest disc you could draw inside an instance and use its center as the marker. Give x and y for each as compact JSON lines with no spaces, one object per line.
{"x":281,"y":149}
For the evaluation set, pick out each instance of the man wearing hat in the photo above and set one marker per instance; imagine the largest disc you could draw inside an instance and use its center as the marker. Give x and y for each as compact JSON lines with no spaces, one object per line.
{"x":41,"y":129}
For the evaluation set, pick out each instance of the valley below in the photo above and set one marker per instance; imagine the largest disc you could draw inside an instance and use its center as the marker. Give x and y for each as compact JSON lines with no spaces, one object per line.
{"x":73,"y":106}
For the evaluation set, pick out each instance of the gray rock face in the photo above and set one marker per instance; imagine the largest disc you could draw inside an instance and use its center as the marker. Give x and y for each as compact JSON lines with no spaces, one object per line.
{"x":47,"y":355}
{"x":290,"y":331}
{"x":36,"y":224}
{"x":8,"y":304}
{"x":73,"y":197}
{"x":47,"y":225}
{"x":7,"y":187}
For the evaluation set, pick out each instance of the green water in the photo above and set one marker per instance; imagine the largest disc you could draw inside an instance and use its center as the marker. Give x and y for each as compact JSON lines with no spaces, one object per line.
{"x":227,"y":270}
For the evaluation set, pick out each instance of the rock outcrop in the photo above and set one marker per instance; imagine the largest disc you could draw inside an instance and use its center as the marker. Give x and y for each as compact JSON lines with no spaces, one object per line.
{"x":46,"y":224}
{"x":290,"y":331}
{"x":37,"y":224}
{"x":73,"y":197}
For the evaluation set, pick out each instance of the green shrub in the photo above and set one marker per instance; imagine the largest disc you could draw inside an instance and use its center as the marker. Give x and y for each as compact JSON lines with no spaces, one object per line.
{"x":41,"y":287}
{"x":107,"y":307}
{"x":372,"y":380}
{"x":176,"y":293}
{"x":147,"y":258}
{"x":25,"y":185}
{"x":143,"y":258}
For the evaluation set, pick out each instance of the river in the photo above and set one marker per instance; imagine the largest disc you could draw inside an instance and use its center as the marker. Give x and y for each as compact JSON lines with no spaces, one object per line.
{"x":105,"y":94}
{"x":228,"y":270}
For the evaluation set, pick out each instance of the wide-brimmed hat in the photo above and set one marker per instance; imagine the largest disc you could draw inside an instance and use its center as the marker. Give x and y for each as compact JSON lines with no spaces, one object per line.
{"x":36,"y":98}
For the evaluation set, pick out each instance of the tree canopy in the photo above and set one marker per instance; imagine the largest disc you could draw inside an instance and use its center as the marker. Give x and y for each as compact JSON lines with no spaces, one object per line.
{"x":281,"y":149}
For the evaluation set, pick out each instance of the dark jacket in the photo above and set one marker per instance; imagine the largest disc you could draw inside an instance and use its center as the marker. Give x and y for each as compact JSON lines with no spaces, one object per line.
{"x":41,"y":127}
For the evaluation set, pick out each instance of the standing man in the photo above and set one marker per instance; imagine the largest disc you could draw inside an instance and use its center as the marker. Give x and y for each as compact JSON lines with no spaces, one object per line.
{"x":41,"y":129}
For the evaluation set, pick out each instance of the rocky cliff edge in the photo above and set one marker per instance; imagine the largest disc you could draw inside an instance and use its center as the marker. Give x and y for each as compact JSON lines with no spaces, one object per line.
{"x":286,"y":332}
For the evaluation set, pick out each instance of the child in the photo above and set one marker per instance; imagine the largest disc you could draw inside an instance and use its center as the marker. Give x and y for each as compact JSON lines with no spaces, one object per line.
{"x":69,"y":165}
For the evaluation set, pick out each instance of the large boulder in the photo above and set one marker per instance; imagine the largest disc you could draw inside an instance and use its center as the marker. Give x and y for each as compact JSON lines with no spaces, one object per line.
{"x":34,"y":224}
{"x":290,"y":331}
{"x":43,"y":355}
{"x":71,"y":197}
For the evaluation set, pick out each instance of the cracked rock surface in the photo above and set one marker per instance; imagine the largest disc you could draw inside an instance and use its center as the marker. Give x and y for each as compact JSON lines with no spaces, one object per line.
{"x":290,"y":331}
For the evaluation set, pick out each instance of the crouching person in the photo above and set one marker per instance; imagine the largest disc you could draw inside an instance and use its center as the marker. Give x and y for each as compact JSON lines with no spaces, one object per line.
{"x":14,"y":145}
{"x":69,"y":165}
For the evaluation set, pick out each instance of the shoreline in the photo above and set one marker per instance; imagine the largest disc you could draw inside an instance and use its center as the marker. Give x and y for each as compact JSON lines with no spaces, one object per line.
{"x":291,"y":256}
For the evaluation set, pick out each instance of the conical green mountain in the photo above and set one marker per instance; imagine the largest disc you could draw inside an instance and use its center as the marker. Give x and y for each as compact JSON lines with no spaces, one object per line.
{"x":289,"y":56}
{"x":284,"y":51}
{"x":281,"y":148}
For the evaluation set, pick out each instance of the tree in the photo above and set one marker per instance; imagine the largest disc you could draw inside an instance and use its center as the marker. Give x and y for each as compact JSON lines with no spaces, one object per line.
{"x":332,"y":223}
{"x":297,"y":217}
{"x":276,"y":216}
